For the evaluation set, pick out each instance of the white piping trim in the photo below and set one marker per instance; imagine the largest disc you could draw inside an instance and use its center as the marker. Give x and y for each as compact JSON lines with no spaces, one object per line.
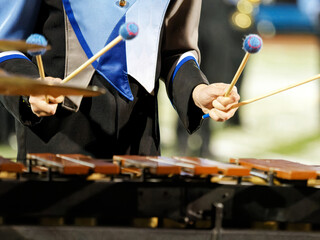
{"x":8,"y":53}
{"x":187,"y":54}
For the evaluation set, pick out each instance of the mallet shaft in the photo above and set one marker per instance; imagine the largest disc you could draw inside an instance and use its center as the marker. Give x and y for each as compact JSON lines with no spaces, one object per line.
{"x":93,"y":58}
{"x":276,"y":91}
{"x":40,"y":66}
{"x":238,"y":73}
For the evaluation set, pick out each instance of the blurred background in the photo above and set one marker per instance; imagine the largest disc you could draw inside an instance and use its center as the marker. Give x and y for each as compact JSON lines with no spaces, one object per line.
{"x":283,"y":126}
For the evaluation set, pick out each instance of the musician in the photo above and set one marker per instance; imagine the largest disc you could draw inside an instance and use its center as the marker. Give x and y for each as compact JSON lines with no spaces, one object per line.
{"x":125,"y":119}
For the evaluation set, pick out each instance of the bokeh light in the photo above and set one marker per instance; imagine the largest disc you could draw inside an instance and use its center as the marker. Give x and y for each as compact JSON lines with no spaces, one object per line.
{"x":241,"y":20}
{"x":244,"y":6}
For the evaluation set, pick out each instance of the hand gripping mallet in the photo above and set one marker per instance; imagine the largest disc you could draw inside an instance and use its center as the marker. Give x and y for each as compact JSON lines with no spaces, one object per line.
{"x":251,"y":44}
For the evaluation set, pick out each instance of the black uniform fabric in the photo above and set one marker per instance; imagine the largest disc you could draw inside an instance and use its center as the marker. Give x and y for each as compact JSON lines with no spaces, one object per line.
{"x":104,"y":125}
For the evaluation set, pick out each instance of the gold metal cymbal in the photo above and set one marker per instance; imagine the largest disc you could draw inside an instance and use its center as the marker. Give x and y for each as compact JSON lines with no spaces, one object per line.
{"x":20,"y":45}
{"x":24,"y":86}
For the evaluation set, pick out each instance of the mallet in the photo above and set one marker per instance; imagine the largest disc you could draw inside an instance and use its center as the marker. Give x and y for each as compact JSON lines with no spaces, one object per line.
{"x":251,"y":44}
{"x":126,"y":32}
{"x":39,"y":40}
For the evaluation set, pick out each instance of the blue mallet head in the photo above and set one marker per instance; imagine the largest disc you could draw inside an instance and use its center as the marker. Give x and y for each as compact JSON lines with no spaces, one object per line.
{"x":252,"y":43}
{"x":128,"y":31}
{"x":37,"y":39}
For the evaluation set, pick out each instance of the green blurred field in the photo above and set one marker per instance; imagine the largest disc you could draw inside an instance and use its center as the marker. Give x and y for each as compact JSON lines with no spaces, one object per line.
{"x":7,"y":151}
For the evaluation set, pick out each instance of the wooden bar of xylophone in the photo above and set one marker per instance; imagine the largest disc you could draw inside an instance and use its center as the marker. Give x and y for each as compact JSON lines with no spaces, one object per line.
{"x":282,"y":169}
{"x":6,"y":165}
{"x":152,"y":163}
{"x":182,"y":165}
{"x":222,"y":168}
{"x":71,"y":164}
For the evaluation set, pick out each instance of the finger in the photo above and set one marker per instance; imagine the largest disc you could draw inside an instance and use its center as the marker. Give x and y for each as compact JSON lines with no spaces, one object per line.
{"x":40,"y":107}
{"x":217,"y":105}
{"x":234,"y":94}
{"x":55,"y":100}
{"x":49,"y":111}
{"x":214,"y":116}
{"x":225,"y":101}
{"x":217,"y":115}
{"x":229,"y":101}
{"x":222,"y":116}
{"x":42,"y":112}
{"x":230,"y":106}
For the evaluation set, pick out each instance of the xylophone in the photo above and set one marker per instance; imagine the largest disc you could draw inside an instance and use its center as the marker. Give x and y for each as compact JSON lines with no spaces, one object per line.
{"x":184,"y":190}
{"x":160,"y":166}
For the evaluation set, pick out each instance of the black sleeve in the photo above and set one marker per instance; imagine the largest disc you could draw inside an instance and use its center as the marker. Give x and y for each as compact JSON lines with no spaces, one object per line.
{"x":18,"y":105}
{"x":181,"y":87}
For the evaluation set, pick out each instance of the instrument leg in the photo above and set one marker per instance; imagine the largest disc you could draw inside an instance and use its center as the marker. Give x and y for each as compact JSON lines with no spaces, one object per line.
{"x":217,"y":230}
